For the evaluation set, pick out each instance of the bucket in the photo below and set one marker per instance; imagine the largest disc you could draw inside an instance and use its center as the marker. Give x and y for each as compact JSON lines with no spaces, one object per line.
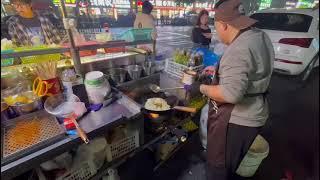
{"x":258,"y":151}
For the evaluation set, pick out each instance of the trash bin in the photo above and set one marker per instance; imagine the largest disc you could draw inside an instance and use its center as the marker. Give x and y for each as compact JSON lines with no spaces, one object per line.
{"x":258,"y":151}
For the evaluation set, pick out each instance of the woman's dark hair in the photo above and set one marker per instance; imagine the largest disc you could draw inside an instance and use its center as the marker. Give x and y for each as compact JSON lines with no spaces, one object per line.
{"x":147,"y":7}
{"x":202,"y":12}
{"x":21,"y":1}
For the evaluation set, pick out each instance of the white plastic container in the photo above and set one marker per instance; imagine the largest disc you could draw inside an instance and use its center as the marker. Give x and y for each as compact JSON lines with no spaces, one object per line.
{"x":97,"y":87}
{"x":112,"y":175}
{"x":258,"y":151}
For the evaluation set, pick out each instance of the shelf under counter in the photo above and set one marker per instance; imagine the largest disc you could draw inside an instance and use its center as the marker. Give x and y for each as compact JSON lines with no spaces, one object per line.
{"x":102,"y":57}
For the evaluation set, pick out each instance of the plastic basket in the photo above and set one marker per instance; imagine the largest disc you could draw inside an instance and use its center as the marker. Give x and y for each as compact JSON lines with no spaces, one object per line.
{"x":176,"y":69}
{"x":7,"y":61}
{"x":137,"y":35}
{"x":123,"y":146}
{"x":37,"y":58}
{"x":82,"y":172}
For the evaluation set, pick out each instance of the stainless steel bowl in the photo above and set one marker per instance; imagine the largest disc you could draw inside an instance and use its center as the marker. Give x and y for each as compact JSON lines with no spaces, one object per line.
{"x":35,"y":105}
{"x":134,"y":71}
{"x":148,"y":68}
{"x":118,"y":75}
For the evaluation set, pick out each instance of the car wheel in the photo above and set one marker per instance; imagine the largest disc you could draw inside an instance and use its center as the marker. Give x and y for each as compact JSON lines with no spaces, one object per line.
{"x":306,"y":73}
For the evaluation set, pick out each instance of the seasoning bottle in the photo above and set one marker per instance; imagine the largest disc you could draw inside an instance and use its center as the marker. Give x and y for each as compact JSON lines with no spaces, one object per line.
{"x":191,"y":61}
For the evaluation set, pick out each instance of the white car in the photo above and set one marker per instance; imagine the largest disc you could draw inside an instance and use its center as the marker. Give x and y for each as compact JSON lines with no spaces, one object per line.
{"x":295,"y":37}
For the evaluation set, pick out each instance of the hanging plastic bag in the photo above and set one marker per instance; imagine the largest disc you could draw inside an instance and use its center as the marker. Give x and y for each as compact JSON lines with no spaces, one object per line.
{"x":203,"y":126}
{"x":209,"y":57}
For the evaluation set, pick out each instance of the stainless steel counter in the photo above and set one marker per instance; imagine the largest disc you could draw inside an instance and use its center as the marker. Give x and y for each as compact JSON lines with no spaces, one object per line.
{"x":118,"y":112}
{"x":95,"y":123}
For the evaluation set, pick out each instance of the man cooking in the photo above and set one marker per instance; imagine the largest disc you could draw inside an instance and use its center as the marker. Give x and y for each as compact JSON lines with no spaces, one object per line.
{"x":238,"y":108}
{"x":29,"y":28}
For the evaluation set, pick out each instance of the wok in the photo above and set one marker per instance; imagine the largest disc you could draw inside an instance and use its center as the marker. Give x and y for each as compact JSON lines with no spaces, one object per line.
{"x":172,"y":102}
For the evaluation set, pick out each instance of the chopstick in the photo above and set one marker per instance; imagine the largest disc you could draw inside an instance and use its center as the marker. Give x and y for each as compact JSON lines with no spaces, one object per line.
{"x":46,"y":70}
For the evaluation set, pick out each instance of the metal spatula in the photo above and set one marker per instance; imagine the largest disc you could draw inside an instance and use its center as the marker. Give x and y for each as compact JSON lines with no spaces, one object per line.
{"x":156,"y":89}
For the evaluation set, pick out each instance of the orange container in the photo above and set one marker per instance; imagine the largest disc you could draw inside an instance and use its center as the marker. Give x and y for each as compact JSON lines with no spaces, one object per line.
{"x":84,"y":52}
{"x":115,"y":50}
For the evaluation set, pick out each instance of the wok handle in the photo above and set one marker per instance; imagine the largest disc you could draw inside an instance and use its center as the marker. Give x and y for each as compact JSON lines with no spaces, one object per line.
{"x":82,"y":135}
{"x":80,"y":131}
{"x":185,"y":109}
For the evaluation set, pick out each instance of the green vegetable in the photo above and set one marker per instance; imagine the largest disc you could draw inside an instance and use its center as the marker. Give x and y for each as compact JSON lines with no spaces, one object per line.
{"x":198,"y":102}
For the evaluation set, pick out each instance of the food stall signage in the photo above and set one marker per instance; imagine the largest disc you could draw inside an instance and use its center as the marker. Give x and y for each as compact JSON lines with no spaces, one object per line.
{"x":165,"y":3}
{"x":304,"y":4}
{"x":101,"y":2}
{"x":264,"y":4}
{"x":121,"y":3}
{"x":66,"y":1}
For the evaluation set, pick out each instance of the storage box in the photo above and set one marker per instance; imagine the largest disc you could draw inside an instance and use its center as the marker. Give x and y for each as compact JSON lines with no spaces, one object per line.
{"x":176,"y":69}
{"x":123,"y":146}
{"x":84,"y":171}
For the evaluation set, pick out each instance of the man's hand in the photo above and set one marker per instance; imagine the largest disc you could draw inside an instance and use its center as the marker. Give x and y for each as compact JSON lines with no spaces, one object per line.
{"x":209,"y":70}
{"x":213,"y":92}
{"x":193,"y":88}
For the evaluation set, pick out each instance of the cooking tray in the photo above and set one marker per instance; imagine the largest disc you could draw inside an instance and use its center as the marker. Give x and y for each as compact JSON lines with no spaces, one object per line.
{"x":36,"y":131}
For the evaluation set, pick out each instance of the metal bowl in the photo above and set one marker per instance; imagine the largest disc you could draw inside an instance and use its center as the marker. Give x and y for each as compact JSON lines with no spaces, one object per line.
{"x":118,"y":75}
{"x":134,"y":71}
{"x":52,"y":103}
{"x":35,"y":105}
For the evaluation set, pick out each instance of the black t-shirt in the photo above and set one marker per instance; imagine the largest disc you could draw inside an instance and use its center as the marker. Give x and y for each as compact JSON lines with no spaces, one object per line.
{"x":199,"y":38}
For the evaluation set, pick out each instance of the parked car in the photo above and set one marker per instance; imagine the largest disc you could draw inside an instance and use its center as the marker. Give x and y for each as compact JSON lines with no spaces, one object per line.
{"x":177,"y":21}
{"x":295,"y":35}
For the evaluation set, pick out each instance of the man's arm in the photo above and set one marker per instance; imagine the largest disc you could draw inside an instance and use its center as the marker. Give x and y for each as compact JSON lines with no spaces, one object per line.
{"x":233,"y":76}
{"x":13,"y":34}
{"x":213,"y":92}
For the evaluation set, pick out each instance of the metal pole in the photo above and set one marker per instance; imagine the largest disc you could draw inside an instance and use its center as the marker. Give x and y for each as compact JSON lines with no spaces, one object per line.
{"x":74,"y":53}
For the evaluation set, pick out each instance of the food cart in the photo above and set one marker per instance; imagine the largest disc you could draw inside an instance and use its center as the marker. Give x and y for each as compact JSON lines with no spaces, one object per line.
{"x":50,"y":137}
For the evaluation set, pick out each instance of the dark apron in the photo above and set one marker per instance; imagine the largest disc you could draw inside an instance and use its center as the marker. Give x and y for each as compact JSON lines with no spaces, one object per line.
{"x":218,"y":120}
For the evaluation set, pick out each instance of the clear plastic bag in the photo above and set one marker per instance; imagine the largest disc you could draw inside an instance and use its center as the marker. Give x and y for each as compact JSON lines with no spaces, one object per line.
{"x":203,"y":126}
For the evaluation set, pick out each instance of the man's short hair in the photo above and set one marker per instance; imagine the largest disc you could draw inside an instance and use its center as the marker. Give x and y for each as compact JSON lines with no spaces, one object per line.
{"x":21,"y":1}
{"x":147,"y":7}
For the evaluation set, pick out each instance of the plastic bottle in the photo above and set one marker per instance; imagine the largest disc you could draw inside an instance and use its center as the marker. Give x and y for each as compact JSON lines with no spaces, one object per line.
{"x":191,"y":61}
{"x":112,"y":175}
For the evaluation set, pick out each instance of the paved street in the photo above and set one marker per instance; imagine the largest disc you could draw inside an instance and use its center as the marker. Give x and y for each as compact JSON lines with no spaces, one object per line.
{"x":292,"y":130}
{"x":170,"y":38}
